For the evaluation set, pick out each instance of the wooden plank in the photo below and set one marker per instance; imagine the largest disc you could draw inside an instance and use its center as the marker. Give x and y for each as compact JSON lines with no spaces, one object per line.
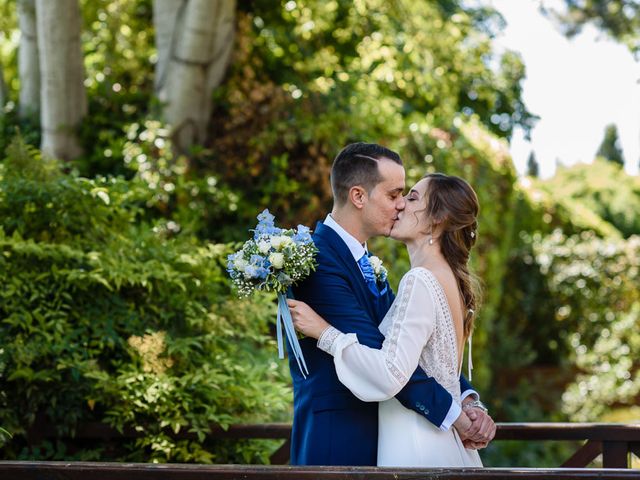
{"x":584,"y":455}
{"x":132,"y":471}
{"x":282,"y":455}
{"x":629,"y":435}
{"x":615,"y":454}
{"x":568,"y":431}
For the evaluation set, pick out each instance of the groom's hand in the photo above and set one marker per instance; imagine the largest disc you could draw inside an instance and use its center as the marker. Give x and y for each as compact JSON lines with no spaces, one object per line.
{"x":482,"y":429}
{"x":473,"y":446}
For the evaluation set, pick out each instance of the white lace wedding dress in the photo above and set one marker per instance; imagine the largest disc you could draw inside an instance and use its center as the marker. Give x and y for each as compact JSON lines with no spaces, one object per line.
{"x":418,"y":330}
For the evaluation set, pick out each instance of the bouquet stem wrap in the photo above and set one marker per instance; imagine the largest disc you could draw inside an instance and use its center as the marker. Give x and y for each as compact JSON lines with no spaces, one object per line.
{"x":284,"y":320}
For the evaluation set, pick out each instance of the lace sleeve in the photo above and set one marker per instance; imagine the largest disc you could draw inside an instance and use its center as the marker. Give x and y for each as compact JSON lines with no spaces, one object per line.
{"x":376,"y":375}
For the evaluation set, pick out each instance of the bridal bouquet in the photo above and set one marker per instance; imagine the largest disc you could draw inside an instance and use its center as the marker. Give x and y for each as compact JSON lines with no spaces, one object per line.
{"x":272,"y":261}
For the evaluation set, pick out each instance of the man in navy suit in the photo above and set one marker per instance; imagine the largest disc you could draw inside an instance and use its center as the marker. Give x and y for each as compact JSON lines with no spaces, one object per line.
{"x":330,"y":425}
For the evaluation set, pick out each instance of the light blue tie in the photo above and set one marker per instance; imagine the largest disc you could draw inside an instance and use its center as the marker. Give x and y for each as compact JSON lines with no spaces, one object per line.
{"x":369,"y":274}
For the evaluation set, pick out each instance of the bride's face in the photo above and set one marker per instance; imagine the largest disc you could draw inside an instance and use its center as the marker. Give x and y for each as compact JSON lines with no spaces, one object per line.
{"x":411,"y":223}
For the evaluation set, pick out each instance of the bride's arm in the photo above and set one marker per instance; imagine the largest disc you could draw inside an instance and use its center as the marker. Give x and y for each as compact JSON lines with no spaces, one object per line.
{"x":377,"y":374}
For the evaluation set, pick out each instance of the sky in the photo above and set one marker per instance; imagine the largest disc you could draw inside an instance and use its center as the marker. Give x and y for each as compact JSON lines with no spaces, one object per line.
{"x":575,"y":86}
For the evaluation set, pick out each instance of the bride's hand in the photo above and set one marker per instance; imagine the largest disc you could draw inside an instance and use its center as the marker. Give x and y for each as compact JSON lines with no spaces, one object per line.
{"x":306,"y":320}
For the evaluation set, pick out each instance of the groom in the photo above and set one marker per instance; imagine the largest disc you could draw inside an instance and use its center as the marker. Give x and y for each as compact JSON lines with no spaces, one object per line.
{"x":330,"y":425}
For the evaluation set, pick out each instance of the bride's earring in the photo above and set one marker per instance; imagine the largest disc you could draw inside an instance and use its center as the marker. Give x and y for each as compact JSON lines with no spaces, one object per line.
{"x":430,"y":239}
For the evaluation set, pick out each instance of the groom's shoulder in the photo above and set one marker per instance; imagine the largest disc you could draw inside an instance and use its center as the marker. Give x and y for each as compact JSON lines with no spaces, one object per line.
{"x":327,"y":253}
{"x":322,"y":238}
{"x":330,"y":248}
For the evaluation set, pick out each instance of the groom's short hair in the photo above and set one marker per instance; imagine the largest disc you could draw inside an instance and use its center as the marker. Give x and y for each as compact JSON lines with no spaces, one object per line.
{"x":357,"y":164}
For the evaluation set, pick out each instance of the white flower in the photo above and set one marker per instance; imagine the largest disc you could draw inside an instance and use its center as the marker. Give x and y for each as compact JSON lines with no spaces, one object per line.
{"x":276,"y":242}
{"x":376,"y":263}
{"x":264,"y":246}
{"x":281,"y":241}
{"x":379,"y":270}
{"x":287,"y":241}
{"x":277,"y":260}
{"x":240,"y":264}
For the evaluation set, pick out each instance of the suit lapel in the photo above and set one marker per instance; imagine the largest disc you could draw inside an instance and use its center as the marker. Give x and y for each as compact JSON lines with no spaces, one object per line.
{"x":343,"y":253}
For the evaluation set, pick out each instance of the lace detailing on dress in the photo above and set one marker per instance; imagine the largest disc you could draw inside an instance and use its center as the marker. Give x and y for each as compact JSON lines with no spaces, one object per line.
{"x":396,"y":372}
{"x":327,"y":339}
{"x":439,"y":358}
{"x":397,"y":315}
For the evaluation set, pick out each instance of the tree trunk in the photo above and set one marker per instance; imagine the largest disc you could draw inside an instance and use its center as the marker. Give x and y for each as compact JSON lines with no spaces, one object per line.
{"x":63,"y":98}
{"x":28,"y":61}
{"x":194,"y":40}
{"x":165,"y":18}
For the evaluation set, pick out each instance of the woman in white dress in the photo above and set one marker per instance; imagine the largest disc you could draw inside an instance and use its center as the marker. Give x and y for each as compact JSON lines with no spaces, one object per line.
{"x":428,"y":324}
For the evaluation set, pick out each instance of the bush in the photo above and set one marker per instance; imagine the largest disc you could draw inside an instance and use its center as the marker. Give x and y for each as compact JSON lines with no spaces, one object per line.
{"x":594,"y":282}
{"x":600,"y":191}
{"x":106,"y":318}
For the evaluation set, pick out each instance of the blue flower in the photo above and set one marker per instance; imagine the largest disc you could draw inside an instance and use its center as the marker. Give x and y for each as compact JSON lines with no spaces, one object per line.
{"x":251,"y":271}
{"x":266,"y":225}
{"x":265,"y":230}
{"x":230,"y":259}
{"x":303,"y":235}
{"x":257,"y":260}
{"x":262,"y":272}
{"x":266,"y":218}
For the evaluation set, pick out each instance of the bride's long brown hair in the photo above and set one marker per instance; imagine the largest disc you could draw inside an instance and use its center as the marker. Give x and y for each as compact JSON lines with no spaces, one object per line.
{"x":453,"y":204}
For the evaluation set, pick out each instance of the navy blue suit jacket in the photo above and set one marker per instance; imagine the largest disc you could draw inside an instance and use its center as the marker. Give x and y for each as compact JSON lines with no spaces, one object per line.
{"x":330,"y":425}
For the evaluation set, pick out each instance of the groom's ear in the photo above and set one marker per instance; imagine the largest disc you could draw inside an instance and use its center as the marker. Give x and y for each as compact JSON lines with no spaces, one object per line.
{"x":357,"y":196}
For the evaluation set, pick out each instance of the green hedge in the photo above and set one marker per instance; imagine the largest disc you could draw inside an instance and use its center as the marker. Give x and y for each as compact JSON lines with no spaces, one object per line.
{"x":109,"y":319}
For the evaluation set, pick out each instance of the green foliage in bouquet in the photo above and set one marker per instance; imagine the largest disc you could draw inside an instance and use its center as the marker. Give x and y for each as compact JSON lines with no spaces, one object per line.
{"x":106,"y":318}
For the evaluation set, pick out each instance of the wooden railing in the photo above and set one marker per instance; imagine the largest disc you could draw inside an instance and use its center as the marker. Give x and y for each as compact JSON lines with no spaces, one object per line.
{"x":616,"y":442}
{"x":132,"y":471}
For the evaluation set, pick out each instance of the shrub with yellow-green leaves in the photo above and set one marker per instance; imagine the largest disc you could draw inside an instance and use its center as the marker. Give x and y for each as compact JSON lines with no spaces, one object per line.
{"x":595,"y":283}
{"x":105,"y":318}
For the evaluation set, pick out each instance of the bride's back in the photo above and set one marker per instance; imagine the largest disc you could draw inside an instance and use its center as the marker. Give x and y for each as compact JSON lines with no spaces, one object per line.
{"x":447,"y":280}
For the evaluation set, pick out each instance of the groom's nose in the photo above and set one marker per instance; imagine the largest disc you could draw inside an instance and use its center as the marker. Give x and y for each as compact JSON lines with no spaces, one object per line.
{"x":400,"y":204}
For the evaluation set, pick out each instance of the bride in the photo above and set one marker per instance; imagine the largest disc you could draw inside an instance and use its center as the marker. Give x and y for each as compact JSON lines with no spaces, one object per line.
{"x":428,"y":324}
